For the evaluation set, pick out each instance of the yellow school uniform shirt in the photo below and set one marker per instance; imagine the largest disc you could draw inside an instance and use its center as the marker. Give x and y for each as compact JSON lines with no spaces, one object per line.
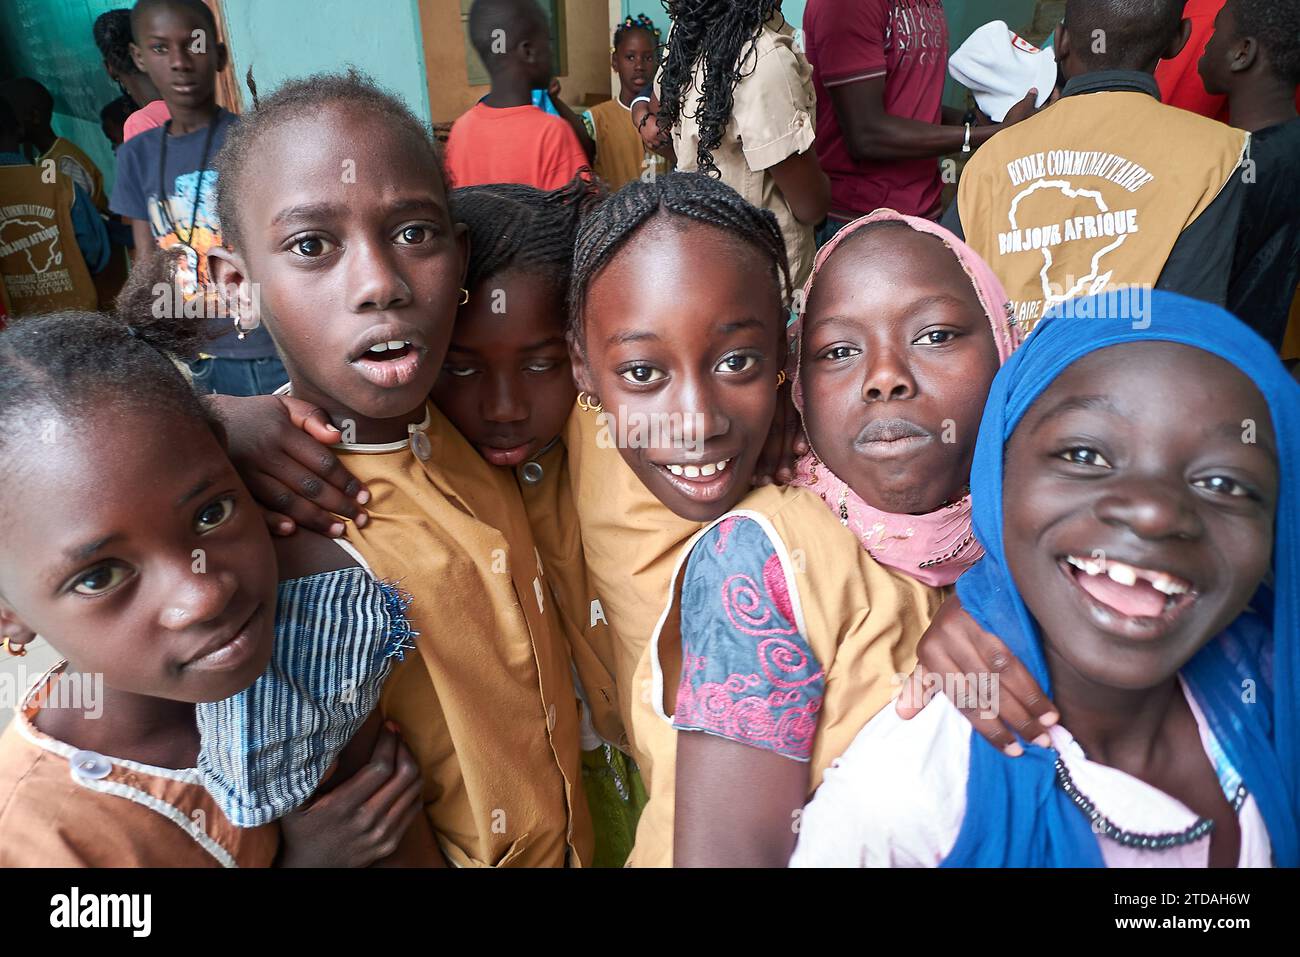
{"x":630,"y":540}
{"x":40,"y":263}
{"x":64,"y":807}
{"x":486,"y":700}
{"x":862,"y":621}
{"x":548,"y":499}
{"x":621,"y":155}
{"x":1090,"y":194}
{"x":71,"y":160}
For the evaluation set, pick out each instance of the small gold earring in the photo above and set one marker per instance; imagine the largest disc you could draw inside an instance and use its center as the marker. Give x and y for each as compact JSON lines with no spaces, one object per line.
{"x":15,"y":650}
{"x":780,"y":378}
{"x":589,"y":403}
{"x":464,"y":296}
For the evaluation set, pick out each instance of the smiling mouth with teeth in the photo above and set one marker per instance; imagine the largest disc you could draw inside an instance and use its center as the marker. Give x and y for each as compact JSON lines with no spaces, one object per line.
{"x":1128,"y":589}
{"x":698,"y":471}
{"x":393,"y":349}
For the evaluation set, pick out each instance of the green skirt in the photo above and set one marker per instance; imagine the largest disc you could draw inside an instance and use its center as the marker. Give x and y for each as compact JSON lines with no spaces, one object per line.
{"x":616,"y":796}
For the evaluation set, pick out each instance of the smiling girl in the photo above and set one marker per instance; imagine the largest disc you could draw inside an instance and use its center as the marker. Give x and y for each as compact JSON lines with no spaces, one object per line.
{"x":1126,"y":550}
{"x":771,"y":565}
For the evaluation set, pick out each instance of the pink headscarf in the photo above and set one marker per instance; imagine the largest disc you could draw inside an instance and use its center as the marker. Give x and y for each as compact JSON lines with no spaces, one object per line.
{"x":934,"y":548}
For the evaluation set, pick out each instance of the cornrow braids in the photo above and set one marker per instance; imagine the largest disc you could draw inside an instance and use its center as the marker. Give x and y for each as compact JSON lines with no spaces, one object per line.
{"x":65,"y":364}
{"x":112,"y":32}
{"x":632,"y":24}
{"x":719,"y":35}
{"x":305,"y":96}
{"x":691,"y":196}
{"x":512,"y":226}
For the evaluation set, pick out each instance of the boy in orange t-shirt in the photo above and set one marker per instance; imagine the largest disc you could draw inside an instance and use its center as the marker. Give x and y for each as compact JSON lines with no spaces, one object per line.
{"x":504,"y":138}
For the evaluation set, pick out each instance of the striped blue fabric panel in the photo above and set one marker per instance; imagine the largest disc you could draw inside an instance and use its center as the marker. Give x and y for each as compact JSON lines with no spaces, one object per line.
{"x":265,"y":750}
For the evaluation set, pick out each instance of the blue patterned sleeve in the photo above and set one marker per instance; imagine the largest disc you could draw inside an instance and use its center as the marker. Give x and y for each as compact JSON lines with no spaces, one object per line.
{"x":264,"y":751}
{"x":748,"y":675}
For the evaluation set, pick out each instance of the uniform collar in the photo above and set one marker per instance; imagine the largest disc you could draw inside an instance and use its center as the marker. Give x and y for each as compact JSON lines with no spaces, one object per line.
{"x":1112,"y":81}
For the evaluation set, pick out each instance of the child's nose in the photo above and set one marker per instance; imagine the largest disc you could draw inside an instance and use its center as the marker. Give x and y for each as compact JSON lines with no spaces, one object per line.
{"x":888,"y":378}
{"x":503,"y":401}
{"x":373,"y":282}
{"x":194,"y":598}
{"x":1153,"y":507}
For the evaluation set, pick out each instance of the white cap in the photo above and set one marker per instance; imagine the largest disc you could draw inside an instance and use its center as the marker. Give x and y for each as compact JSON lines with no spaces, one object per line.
{"x":999,"y":68}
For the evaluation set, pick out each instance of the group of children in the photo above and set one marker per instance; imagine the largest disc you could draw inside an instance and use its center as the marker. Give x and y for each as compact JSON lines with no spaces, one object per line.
{"x":501,"y":578}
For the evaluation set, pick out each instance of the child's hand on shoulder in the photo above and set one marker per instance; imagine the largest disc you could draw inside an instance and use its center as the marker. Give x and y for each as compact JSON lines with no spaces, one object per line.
{"x":955,"y":645}
{"x":278,"y":445}
{"x":363,"y":819}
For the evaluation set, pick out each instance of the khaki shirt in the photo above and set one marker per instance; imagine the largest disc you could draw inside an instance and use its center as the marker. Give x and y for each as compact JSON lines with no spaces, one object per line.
{"x":486,"y":701}
{"x":773,"y":117}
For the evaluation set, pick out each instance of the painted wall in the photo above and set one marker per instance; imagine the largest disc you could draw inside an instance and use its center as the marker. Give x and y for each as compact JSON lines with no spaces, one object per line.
{"x":281,"y":39}
{"x":50,"y":40}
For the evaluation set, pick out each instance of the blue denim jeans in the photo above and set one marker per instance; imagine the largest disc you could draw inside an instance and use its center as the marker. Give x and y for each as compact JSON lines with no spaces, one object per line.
{"x":221,"y":376}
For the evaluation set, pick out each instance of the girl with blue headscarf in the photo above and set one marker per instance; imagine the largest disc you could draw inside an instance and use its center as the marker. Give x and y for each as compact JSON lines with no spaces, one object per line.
{"x":1135,"y":490}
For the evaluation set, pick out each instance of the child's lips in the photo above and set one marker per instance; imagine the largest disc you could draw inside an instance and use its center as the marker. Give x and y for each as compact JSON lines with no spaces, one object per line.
{"x":1137,"y":617}
{"x":229,"y":653}
{"x":390,"y":373}
{"x":507,"y":457}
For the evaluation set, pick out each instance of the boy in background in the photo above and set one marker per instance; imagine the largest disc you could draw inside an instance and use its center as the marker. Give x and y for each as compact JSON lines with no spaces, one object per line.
{"x":504,"y":138}
{"x":176,"y":44}
{"x":1254,"y":59}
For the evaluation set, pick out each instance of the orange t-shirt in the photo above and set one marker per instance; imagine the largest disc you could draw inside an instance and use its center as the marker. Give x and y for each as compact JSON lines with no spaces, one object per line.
{"x":516,"y":144}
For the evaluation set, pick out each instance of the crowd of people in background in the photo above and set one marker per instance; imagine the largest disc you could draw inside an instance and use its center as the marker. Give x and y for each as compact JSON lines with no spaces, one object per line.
{"x":623,"y":484}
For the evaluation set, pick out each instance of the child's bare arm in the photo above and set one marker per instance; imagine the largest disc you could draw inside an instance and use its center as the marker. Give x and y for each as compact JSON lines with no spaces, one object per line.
{"x":278,"y":444}
{"x":736,"y":804}
{"x":955,"y":645}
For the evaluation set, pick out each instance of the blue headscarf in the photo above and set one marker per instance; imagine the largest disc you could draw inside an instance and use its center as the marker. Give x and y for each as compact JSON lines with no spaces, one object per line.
{"x":1016,"y":813}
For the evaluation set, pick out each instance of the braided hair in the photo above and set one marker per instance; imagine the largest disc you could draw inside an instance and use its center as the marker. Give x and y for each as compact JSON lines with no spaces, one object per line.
{"x":632,"y":24}
{"x":719,"y":35}
{"x":512,"y":226}
{"x":306,"y":96}
{"x":689,"y":196}
{"x":112,"y":32}
{"x":64,"y":364}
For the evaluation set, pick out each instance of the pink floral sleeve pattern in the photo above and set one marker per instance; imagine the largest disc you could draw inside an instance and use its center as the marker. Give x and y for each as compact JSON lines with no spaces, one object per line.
{"x":748,"y":675}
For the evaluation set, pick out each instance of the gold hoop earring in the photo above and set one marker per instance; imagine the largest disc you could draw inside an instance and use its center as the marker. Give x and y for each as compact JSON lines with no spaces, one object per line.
{"x":780,"y":378}
{"x":14,"y":652}
{"x":464,"y":296}
{"x":589,"y":403}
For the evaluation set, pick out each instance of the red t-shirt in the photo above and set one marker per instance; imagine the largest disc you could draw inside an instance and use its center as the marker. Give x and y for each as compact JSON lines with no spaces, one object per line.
{"x":906,"y":42}
{"x":517,"y":144}
{"x":1180,"y":82}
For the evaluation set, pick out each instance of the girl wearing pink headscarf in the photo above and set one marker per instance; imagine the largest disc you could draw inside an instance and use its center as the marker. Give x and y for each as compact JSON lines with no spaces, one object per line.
{"x":902,"y":329}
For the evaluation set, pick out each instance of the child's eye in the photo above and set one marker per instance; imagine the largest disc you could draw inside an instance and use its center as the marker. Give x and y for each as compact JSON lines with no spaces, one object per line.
{"x":1085,"y":456}
{"x":412,"y":235}
{"x":737,"y":363}
{"x":936,"y":337}
{"x":458,"y":371}
{"x":100,"y":579}
{"x":311,"y":247}
{"x":840,"y":353}
{"x":1223,"y":485}
{"x":159,"y":48}
{"x":642,"y":374}
{"x":214,"y":515}
{"x":541,"y":365}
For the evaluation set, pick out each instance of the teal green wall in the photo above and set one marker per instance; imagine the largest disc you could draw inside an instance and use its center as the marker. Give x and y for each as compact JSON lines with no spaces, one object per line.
{"x":281,"y":39}
{"x":50,"y":40}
